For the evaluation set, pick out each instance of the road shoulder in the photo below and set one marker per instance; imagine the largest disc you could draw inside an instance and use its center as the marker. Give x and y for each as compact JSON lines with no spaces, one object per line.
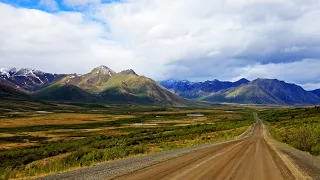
{"x":301,"y":164}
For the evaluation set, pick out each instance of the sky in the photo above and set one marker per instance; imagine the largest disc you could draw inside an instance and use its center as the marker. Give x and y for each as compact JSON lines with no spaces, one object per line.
{"x":161,"y":39}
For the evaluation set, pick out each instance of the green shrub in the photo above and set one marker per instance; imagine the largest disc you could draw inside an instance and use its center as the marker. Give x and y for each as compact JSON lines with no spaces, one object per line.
{"x":304,"y":138}
{"x":100,"y":148}
{"x":316,"y":149}
{"x":301,"y":132}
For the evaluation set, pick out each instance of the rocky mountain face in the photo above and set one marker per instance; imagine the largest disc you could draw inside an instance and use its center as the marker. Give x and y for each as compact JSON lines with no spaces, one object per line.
{"x":27,"y":79}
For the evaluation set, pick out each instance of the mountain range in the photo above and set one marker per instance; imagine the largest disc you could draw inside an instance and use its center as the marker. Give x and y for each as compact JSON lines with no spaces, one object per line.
{"x":195,"y":90}
{"x":100,"y":85}
{"x":104,"y":85}
{"x":259,"y":91}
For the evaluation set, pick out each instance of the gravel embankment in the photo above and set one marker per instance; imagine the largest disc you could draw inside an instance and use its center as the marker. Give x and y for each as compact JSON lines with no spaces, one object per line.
{"x":305,"y":162}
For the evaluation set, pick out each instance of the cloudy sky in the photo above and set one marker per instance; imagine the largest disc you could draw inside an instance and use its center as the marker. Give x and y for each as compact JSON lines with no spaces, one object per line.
{"x":183,"y":39}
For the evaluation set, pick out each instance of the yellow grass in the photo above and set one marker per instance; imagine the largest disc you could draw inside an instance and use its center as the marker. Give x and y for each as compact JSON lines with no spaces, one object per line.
{"x":56,"y":135}
{"x":45,"y":161}
{"x":20,"y":144}
{"x":187,"y":111}
{"x":58,"y":119}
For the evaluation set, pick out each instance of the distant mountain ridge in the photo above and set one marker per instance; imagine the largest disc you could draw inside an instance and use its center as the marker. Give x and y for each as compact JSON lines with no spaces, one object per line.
{"x":195,"y":90}
{"x":259,"y":91}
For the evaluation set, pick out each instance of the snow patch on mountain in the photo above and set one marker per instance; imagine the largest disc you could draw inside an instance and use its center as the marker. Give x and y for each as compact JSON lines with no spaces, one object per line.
{"x":4,"y":72}
{"x":27,"y":72}
{"x":8,"y":72}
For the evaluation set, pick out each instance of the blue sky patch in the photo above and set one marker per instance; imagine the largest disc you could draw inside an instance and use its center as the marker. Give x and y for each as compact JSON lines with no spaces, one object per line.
{"x":59,"y":5}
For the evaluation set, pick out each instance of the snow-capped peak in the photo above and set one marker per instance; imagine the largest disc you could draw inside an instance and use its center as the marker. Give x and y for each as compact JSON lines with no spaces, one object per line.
{"x":8,"y":72}
{"x":28,"y":72}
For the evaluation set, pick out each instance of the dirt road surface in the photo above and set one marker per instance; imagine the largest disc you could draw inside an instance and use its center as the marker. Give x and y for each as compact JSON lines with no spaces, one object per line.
{"x":251,"y":158}
{"x":255,"y":156}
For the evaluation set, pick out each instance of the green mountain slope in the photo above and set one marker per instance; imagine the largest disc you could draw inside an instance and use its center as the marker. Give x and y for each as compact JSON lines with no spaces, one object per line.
{"x":65,"y":93}
{"x":288,"y":93}
{"x":10,"y":92}
{"x":128,"y":86}
{"x":93,"y":82}
{"x":104,"y":85}
{"x":265,"y":91}
{"x":248,"y":94}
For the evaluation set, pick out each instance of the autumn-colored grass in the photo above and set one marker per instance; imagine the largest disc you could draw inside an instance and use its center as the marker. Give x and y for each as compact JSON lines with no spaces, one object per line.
{"x":17,"y":145}
{"x":53,"y":140}
{"x":58,"y":119}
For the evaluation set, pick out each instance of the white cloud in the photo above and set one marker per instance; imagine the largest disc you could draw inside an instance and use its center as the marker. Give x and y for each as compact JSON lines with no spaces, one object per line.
{"x":73,"y":3}
{"x":311,"y":86}
{"x":49,"y":4}
{"x":201,"y":39}
{"x":62,"y":42}
{"x":201,"y":36}
{"x":305,"y":72}
{"x":294,"y":49}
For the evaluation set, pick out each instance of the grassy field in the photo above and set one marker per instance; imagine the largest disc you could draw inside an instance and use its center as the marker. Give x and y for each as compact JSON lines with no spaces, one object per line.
{"x":44,"y":139}
{"x":298,"y":127}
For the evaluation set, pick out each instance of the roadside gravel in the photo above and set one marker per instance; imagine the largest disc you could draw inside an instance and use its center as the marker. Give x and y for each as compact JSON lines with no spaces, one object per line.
{"x":305,"y":162}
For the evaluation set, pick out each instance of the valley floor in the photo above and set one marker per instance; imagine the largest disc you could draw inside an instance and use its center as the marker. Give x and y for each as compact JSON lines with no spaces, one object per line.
{"x":39,"y":140}
{"x":62,"y":137}
{"x":253,"y":156}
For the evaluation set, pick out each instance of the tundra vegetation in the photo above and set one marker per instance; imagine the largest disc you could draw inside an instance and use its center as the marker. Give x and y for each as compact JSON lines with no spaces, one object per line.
{"x":298,"y":127}
{"x":37,"y":139}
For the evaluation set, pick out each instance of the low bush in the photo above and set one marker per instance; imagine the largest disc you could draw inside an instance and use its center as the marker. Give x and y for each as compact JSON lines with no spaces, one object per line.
{"x":93,"y":149}
{"x":301,"y":132}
